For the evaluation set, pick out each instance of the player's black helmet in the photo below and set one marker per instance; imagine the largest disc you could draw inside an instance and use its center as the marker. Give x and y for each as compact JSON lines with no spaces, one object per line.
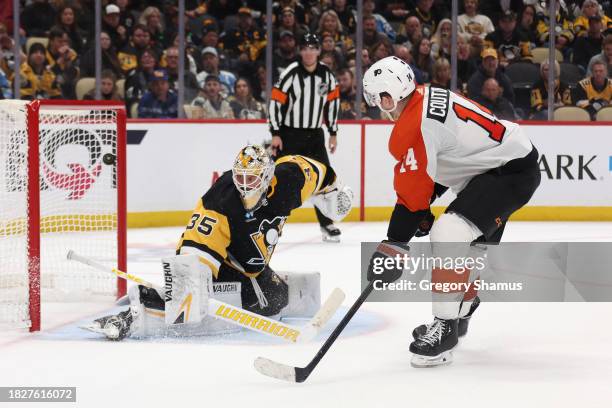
{"x":310,"y":40}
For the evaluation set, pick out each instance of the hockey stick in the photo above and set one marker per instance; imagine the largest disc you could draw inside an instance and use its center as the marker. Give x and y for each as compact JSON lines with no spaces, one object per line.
{"x":240,"y":317}
{"x":299,"y":374}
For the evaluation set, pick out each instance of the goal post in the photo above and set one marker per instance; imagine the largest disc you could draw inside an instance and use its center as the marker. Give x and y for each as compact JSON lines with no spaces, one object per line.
{"x":62,"y":186}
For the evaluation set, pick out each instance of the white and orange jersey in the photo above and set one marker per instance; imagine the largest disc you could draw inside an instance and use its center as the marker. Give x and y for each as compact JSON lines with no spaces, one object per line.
{"x":445,"y":138}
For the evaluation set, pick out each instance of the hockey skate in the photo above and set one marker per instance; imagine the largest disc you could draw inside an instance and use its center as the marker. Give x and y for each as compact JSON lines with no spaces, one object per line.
{"x":435,"y":347}
{"x":114,"y":327}
{"x":331,"y":233}
{"x":463,"y":324}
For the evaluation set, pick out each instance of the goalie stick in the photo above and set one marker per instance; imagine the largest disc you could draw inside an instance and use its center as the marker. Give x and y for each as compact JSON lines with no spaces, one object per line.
{"x":243,"y":318}
{"x":299,"y":374}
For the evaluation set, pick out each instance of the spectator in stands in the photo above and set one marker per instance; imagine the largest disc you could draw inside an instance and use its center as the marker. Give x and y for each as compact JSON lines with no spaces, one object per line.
{"x":63,"y":61}
{"x":330,"y":23}
{"x":7,"y":57}
{"x":284,"y":54}
{"x":152,"y":19}
{"x":246,"y":41}
{"x":586,"y":47}
{"x":243,"y":104}
{"x":109,"y":58}
{"x":328,"y":45}
{"x":300,"y":13}
{"x":289,"y":23}
{"x":422,"y":58}
{"x":528,"y":23}
{"x":564,"y":36}
{"x":111,"y":23}
{"x":210,"y":66}
{"x":441,"y":74}
{"x":5,"y":86}
{"x":329,"y":59}
{"x":370,"y":35}
{"x":382,"y":25}
{"x":492,"y":99}
{"x":539,"y":93}
{"x":428,"y":15}
{"x":396,"y":10}
{"x":191,"y":87}
{"x":410,"y":32}
{"x":127,"y":14}
{"x":466,"y":64}
{"x":347,"y":94}
{"x":594,"y":92}
{"x":259,"y":82}
{"x":441,"y":40}
{"x":489,"y":69}
{"x":473,"y":26}
{"x":590,"y":8}
{"x":37,"y":18}
{"x":137,"y":80}
{"x":223,"y":8}
{"x":210,"y":34}
{"x":604,"y":56}
{"x":129,"y":55}
{"x":380,"y":50}
{"x":108,"y":87}
{"x":66,"y":20}
{"x":212,"y":102}
{"x":160,"y":102}
{"x":37,"y":80}
{"x":403,"y":52}
{"x":495,"y":9}
{"x":510,"y":44}
{"x":345,"y":14}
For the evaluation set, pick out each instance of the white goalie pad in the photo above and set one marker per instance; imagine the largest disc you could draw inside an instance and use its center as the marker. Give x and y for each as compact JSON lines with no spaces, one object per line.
{"x":187,"y":286}
{"x":335,"y":202}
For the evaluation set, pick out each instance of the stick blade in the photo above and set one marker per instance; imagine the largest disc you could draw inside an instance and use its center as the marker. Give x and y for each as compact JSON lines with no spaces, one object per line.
{"x":275,"y":370}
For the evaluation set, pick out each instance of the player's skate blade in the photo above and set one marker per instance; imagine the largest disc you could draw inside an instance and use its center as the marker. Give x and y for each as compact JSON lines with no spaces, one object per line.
{"x":419,"y":361}
{"x":331,"y":233}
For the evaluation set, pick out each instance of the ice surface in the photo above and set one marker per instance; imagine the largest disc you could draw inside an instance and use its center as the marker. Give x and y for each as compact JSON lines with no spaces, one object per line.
{"x":516,"y":355}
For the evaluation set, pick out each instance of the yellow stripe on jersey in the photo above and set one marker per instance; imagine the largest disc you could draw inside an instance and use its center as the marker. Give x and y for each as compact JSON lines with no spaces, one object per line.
{"x":207,"y":235}
{"x":314,"y":173}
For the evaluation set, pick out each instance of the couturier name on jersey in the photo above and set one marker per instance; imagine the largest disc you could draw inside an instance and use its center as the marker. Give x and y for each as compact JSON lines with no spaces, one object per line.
{"x":437,"y":105}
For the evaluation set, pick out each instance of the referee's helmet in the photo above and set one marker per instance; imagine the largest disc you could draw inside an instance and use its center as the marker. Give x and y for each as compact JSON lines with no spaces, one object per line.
{"x":310,"y":40}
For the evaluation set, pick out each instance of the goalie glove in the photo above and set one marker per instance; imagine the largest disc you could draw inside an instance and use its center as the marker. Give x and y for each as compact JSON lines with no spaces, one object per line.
{"x":335,"y":202}
{"x":378,"y":270}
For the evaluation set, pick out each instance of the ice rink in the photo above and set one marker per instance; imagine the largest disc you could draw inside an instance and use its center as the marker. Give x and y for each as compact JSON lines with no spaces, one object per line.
{"x":515,"y":355}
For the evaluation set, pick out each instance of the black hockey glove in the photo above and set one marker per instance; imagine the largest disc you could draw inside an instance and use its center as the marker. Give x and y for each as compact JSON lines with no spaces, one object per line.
{"x":425,"y":225}
{"x":387,"y":271}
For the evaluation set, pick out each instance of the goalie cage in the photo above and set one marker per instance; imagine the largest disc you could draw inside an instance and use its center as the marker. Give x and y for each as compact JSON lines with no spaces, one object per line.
{"x":62,"y":186}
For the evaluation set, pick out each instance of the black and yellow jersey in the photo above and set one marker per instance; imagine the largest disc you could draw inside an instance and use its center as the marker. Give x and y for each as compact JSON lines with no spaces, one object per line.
{"x":221,"y":231}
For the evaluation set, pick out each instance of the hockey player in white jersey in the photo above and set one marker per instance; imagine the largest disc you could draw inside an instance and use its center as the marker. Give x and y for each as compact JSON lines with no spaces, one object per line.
{"x":442,"y":140}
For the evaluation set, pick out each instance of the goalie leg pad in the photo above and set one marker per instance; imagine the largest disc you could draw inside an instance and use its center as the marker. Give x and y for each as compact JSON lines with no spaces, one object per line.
{"x":187,"y":286}
{"x":335,"y":202}
{"x":304,"y":294}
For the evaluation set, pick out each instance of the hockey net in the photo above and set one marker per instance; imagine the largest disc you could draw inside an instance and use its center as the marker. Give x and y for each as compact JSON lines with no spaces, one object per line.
{"x":62,"y":186}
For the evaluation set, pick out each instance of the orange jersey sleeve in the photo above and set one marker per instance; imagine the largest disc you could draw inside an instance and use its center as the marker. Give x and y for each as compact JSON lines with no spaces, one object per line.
{"x":413,"y":185}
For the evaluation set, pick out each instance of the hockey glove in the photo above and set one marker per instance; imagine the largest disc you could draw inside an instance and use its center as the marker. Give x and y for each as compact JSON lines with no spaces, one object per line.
{"x":425,"y":225}
{"x":387,"y":271}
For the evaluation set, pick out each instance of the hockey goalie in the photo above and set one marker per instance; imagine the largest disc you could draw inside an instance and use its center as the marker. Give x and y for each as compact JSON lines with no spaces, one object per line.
{"x":442,"y":140}
{"x":226,"y":249}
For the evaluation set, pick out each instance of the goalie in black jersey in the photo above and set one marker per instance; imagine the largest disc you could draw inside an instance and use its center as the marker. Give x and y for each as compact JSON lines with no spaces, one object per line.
{"x":233,"y":231}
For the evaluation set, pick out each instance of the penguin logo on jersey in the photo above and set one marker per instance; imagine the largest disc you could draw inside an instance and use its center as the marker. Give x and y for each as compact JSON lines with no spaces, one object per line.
{"x":266,"y":238}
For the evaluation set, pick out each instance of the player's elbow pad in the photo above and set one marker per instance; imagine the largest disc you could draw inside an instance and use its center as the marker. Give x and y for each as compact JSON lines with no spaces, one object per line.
{"x":335,"y":202}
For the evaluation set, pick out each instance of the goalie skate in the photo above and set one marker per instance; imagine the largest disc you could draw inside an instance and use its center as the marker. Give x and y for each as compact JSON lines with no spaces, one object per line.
{"x":331,"y":233}
{"x":114,"y":327}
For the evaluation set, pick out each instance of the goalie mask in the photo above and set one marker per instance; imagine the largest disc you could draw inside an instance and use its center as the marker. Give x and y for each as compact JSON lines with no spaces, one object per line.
{"x":391,"y":76}
{"x":252,"y":172}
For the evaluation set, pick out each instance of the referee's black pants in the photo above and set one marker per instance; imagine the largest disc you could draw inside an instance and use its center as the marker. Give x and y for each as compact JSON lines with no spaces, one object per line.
{"x":309,"y":143}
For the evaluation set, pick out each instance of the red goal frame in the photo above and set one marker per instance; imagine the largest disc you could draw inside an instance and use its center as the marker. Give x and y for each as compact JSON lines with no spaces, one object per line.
{"x":32,"y":111}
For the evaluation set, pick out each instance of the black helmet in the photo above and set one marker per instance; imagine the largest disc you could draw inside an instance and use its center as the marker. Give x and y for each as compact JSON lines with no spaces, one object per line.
{"x":310,"y":40}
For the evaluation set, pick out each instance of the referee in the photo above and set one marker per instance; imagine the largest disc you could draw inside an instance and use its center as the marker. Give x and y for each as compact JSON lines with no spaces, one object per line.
{"x":306,"y":96}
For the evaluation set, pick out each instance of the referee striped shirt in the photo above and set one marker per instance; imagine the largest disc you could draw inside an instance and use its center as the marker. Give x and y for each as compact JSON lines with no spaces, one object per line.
{"x":303,"y":99}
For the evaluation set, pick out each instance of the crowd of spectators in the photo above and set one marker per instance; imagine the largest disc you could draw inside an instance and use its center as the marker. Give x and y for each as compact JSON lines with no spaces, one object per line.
{"x":225,"y":75}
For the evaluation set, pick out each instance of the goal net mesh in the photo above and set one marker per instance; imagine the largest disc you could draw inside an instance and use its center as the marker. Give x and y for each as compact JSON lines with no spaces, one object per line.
{"x":78,"y":205}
